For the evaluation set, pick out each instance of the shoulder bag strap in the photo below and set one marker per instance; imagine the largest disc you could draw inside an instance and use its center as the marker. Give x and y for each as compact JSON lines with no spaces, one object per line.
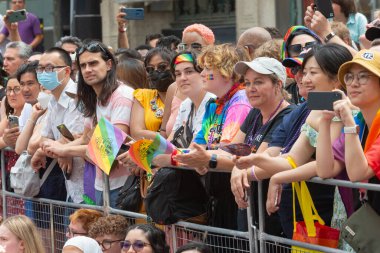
{"x":191,"y":117}
{"x":47,"y":172}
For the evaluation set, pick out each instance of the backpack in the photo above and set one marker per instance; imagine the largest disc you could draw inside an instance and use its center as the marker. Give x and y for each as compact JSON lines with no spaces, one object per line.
{"x":176,"y":195}
{"x":24,"y":180}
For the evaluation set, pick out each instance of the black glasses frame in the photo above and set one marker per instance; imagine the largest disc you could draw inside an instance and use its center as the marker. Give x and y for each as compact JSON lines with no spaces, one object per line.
{"x":296,"y":49}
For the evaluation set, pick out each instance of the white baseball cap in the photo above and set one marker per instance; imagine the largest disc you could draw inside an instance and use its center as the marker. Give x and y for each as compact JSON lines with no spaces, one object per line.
{"x":263,"y":65}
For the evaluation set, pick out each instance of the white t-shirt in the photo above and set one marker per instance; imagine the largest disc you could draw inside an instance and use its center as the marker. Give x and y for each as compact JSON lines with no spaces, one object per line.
{"x":184,"y":111}
{"x":26,"y":113}
{"x":117,"y":111}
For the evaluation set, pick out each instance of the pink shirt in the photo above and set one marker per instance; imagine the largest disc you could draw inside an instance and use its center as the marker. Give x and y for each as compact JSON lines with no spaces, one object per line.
{"x":117,"y":111}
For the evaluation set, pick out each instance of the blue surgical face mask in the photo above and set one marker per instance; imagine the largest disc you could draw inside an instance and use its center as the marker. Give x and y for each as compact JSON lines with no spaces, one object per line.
{"x":49,"y":80}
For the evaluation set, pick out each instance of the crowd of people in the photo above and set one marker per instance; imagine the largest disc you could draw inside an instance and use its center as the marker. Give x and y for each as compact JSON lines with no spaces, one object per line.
{"x":202,"y":96}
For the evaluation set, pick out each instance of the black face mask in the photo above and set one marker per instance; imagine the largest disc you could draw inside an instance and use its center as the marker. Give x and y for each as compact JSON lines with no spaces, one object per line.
{"x":161,"y":80}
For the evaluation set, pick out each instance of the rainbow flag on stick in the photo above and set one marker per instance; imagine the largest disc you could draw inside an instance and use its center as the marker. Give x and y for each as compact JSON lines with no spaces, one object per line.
{"x":105,"y":144}
{"x":143,"y":152}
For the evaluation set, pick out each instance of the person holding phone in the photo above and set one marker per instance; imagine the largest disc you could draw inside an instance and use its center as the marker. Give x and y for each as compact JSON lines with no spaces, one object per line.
{"x":355,"y":154}
{"x":345,"y":11}
{"x":28,"y":30}
{"x":14,"y":103}
{"x":101,"y":95}
{"x":319,"y":24}
{"x":320,"y":67}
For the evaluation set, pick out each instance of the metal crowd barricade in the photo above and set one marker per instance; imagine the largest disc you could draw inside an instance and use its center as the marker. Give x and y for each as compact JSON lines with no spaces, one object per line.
{"x":275,"y":244}
{"x":52,"y":219}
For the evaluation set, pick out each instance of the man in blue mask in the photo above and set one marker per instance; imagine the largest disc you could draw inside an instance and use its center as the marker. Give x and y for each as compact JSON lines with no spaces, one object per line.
{"x":53,"y":73}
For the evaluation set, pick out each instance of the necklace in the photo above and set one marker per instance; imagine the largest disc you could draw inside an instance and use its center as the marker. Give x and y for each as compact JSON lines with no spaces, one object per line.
{"x":158,"y":112}
{"x":253,"y":134}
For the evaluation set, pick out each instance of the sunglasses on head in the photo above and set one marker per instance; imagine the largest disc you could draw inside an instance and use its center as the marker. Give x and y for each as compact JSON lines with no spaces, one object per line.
{"x":160,"y":68}
{"x":184,"y":46}
{"x":296,"y":49}
{"x":92,"y":47}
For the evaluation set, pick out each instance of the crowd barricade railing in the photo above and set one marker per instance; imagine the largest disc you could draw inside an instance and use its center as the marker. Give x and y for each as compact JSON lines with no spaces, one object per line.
{"x":275,"y":244}
{"x":52,"y":219}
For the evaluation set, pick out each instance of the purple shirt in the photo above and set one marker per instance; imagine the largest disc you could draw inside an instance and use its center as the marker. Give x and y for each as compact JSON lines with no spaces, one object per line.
{"x":345,"y":193}
{"x":28,"y":29}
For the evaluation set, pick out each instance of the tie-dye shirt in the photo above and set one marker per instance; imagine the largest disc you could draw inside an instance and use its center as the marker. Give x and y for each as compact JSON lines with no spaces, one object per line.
{"x":223,"y":126}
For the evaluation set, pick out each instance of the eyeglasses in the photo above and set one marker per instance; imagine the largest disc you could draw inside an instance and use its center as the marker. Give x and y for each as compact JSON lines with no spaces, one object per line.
{"x":160,"y":68}
{"x":296,"y":49}
{"x":48,"y":68}
{"x":184,"y":46}
{"x":362,"y":78}
{"x":137,"y":245}
{"x":16,"y":90}
{"x":294,"y":70}
{"x":72,"y":233}
{"x":93,"y":48}
{"x":107,"y":244}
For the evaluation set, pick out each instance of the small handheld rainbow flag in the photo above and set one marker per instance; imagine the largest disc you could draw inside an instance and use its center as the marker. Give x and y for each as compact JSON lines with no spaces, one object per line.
{"x":104,"y":144}
{"x":143,"y":152}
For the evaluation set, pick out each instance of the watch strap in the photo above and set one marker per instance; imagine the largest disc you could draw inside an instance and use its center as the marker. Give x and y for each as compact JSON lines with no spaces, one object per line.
{"x":351,"y":130}
{"x":329,"y":37}
{"x":213,"y":161}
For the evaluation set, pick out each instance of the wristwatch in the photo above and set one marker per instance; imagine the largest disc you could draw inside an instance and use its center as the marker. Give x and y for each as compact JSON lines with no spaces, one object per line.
{"x":122,"y":29}
{"x":213,"y":161}
{"x":351,"y":130}
{"x":329,"y":37}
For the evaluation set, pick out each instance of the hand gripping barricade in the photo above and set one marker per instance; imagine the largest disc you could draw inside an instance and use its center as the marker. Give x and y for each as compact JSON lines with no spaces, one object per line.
{"x":53,"y":215}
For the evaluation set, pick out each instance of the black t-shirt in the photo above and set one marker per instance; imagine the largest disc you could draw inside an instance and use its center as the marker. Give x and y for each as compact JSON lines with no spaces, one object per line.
{"x":253,"y":126}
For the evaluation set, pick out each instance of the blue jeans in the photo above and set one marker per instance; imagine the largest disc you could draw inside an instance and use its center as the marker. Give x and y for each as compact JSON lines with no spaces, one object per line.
{"x":113,"y":197}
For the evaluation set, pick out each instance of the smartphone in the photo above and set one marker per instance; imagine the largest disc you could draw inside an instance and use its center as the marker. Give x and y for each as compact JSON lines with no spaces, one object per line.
{"x":124,"y":148}
{"x":133,"y":13}
{"x":12,"y":121}
{"x":325,"y":7}
{"x":238,"y":149}
{"x":65,"y":132}
{"x":319,"y":100}
{"x":17,"y":16}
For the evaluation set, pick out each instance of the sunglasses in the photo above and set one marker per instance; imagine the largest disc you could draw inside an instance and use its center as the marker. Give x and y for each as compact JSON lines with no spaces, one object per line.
{"x":294,"y":70}
{"x":93,"y":48}
{"x":296,"y":49}
{"x":137,"y":245}
{"x":184,"y":46}
{"x":160,"y":68}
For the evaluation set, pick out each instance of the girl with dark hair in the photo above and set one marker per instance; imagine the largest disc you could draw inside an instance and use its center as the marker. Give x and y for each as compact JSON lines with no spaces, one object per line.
{"x":145,"y":238}
{"x":148,"y":107}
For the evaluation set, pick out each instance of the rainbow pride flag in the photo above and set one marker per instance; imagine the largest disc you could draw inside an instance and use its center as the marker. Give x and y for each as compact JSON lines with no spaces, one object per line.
{"x":143,"y":152}
{"x":105,"y":144}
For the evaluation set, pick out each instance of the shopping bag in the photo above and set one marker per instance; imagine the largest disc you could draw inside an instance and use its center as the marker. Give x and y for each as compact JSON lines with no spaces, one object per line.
{"x":312,"y":229}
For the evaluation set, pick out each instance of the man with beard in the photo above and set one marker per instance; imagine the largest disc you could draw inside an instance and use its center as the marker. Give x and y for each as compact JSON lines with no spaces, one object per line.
{"x":99,"y":95}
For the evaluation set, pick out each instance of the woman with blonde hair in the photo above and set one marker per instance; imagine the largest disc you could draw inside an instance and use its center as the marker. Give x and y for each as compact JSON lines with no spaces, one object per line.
{"x":19,"y":234}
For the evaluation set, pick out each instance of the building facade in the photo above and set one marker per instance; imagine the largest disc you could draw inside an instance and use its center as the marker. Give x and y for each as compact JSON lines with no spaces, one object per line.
{"x":227,"y":18}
